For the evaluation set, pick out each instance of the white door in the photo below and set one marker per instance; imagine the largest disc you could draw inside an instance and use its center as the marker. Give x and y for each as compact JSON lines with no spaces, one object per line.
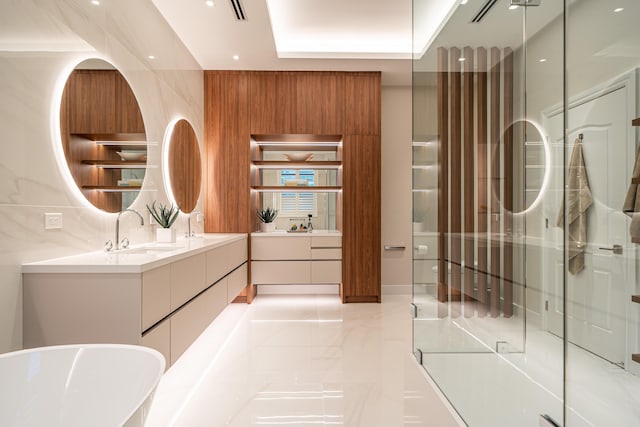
{"x":597,"y":296}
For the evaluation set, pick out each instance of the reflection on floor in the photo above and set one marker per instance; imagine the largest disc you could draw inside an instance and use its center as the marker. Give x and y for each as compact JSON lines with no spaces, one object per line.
{"x":523,"y":378}
{"x":302,"y":361}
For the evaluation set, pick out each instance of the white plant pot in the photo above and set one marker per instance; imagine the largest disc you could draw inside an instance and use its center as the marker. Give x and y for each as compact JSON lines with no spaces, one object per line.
{"x":267,"y":227}
{"x":165,"y":235}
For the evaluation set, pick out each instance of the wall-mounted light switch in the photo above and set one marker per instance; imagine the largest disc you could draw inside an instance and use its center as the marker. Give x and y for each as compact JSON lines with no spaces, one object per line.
{"x":52,"y":221}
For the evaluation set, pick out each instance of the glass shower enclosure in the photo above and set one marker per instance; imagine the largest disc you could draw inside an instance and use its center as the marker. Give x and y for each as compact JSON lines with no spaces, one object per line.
{"x":525,"y":295}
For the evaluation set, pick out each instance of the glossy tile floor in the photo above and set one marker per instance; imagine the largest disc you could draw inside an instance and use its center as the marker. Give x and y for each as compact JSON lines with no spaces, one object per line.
{"x":302,"y":361}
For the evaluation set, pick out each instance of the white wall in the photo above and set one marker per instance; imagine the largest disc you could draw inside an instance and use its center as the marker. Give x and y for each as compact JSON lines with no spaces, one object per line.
{"x":396,"y":186}
{"x":39,"y":41}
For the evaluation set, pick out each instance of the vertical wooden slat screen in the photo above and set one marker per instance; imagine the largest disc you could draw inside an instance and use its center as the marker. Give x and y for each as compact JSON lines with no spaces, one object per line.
{"x":494,"y":230}
{"x":469,"y":179}
{"x":443,"y":174}
{"x":483,"y":203}
{"x":507,"y":140}
{"x":456,"y":173}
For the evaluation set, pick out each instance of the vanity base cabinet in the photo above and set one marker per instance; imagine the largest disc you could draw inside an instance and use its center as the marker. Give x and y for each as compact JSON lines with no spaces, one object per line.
{"x":159,"y":338}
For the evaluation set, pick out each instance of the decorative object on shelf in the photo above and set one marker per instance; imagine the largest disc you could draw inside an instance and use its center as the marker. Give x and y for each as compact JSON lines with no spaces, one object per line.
{"x":299,"y":157}
{"x":267,"y":216}
{"x":165,"y":217}
{"x":139,"y":155}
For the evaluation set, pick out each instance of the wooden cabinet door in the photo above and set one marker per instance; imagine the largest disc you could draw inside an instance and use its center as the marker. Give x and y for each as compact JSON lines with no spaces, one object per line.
{"x":93,"y":107}
{"x":272,"y":98}
{"x":363,"y":104}
{"x":128,"y":118}
{"x":361,"y":265}
{"x":319,"y":103}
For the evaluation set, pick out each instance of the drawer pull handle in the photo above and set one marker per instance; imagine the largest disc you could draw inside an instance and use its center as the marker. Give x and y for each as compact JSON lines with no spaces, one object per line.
{"x":394,"y":248}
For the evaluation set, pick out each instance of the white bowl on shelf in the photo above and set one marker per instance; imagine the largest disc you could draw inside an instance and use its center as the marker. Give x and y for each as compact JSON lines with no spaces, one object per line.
{"x":132,"y":155}
{"x":298,"y":157}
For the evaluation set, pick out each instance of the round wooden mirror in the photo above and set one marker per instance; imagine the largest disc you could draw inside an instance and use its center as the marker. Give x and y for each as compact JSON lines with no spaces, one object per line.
{"x":184,"y":166}
{"x":103,"y":135}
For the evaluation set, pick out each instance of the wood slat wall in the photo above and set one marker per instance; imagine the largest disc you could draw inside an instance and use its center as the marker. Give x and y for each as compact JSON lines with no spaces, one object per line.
{"x":475,"y":155}
{"x":241,"y":103}
{"x":185,"y":166}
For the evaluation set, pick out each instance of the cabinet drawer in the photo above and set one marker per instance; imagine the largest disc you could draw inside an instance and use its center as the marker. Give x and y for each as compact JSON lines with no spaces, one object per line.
{"x":326,"y":241}
{"x":156,"y":295}
{"x":160,"y":339}
{"x":326,"y":253}
{"x":222,"y":260}
{"x":280,"y":272}
{"x":280,"y":248}
{"x":188,"y":323}
{"x":187,"y":279}
{"x":236,"y":282}
{"x":326,"y":272}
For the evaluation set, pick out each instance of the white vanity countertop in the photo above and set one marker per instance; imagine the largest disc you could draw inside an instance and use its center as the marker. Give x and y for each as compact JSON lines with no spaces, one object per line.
{"x":136,"y":259}
{"x":319,"y":233}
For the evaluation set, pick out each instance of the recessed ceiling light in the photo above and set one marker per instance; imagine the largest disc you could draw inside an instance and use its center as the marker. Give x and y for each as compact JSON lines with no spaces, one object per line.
{"x":619,"y":9}
{"x":96,"y":2}
{"x":151,"y":57}
{"x":513,"y":7}
{"x":236,"y":57}
{"x":209,"y":3}
{"x":543,"y":59}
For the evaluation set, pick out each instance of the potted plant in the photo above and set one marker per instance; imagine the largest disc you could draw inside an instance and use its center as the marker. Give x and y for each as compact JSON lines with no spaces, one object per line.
{"x":267,"y":216}
{"x":165,"y":217}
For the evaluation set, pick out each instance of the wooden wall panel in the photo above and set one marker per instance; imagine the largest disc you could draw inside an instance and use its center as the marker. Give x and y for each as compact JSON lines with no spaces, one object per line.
{"x":363,"y":104}
{"x":227,"y":152}
{"x":128,"y":118}
{"x":361,"y":262}
{"x":319,"y":103}
{"x":185,"y":166}
{"x":456,"y":173}
{"x":495,"y":174}
{"x":443,"y":173}
{"x":482,"y":173}
{"x":272,"y":100}
{"x":469,"y":180}
{"x":93,"y":109}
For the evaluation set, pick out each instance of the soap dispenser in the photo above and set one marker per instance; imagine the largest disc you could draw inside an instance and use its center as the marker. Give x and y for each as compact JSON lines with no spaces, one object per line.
{"x":309,"y":225}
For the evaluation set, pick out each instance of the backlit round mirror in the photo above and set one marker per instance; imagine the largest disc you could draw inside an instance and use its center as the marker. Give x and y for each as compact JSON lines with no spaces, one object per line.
{"x":183,"y":165}
{"x":103,"y":135}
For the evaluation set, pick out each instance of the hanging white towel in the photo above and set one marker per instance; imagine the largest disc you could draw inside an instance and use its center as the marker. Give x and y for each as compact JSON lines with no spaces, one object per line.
{"x":579,"y":199}
{"x":631,"y":205}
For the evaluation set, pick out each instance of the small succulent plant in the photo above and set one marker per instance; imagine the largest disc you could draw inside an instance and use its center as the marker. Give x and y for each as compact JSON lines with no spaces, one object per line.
{"x":267,"y":215}
{"x":163,"y":215}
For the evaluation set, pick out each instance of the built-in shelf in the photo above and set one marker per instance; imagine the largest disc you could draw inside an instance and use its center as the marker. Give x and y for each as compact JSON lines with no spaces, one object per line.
{"x":296,"y":138}
{"x":112,"y":188}
{"x":635,"y":122}
{"x":283,"y":164}
{"x":635,"y":358}
{"x":116,"y":164}
{"x":297,"y":189}
{"x":635,"y":298}
{"x":114,"y":138}
{"x":635,"y":180}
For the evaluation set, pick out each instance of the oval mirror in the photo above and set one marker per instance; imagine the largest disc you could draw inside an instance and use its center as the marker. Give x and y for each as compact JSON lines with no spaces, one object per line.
{"x":531,"y":151}
{"x":183,"y":166}
{"x":103,"y":135}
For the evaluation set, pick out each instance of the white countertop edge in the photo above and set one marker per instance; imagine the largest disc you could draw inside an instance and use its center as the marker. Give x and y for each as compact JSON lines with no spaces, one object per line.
{"x":124,"y":263}
{"x":315,"y":233}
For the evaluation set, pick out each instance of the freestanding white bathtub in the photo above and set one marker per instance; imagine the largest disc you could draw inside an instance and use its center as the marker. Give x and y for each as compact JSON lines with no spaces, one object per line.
{"x":78,"y":385}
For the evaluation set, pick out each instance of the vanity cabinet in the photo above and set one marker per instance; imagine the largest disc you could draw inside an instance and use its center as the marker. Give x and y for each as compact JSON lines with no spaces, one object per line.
{"x":166,"y":306}
{"x":281,"y":259}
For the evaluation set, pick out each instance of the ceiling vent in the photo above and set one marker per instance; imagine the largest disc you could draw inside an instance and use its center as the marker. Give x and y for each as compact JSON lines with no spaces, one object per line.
{"x":483,"y":11}
{"x":238,"y":10}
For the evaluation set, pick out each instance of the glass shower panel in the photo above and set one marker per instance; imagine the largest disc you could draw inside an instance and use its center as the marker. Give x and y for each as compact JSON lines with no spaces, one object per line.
{"x":602,"y":309}
{"x":482,"y":188}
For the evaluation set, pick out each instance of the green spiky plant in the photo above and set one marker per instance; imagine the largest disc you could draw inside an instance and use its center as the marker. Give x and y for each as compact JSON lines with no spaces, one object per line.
{"x":163,"y":215}
{"x":267,"y":215}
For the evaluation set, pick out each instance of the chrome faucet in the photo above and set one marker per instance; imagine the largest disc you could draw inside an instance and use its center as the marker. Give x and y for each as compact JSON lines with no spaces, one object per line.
{"x":189,"y":232}
{"x":125,"y":241}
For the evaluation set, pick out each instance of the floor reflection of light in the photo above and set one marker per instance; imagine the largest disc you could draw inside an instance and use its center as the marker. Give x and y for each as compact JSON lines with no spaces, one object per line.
{"x":301,"y":419}
{"x":300,"y":395}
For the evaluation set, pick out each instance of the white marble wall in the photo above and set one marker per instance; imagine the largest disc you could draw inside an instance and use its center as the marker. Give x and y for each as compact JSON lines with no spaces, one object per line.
{"x":39,"y":41}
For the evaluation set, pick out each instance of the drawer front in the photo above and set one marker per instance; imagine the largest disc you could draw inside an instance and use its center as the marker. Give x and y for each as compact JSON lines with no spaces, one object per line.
{"x":160,"y":339}
{"x":156,"y":295}
{"x":235,"y":253}
{"x":220,"y":261}
{"x":326,"y":241}
{"x":188,"y":278}
{"x":188,"y":323}
{"x":236,"y":282}
{"x":280,"y":248}
{"x":280,"y":272}
{"x":326,"y":253}
{"x":326,"y":272}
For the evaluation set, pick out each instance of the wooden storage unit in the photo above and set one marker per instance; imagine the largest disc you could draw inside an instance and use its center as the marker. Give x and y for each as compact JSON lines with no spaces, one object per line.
{"x":239,"y":104}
